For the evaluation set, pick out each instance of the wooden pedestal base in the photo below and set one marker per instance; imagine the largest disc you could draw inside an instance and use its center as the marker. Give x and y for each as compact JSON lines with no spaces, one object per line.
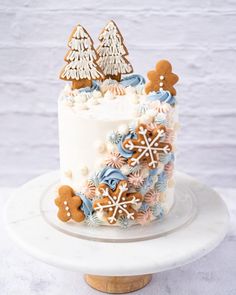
{"x":117,"y":285}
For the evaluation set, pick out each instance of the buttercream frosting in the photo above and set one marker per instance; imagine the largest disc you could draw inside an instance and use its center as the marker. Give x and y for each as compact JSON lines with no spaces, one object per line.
{"x":162,"y":96}
{"x":110,"y":176}
{"x":132,"y":80}
{"x":95,"y":86}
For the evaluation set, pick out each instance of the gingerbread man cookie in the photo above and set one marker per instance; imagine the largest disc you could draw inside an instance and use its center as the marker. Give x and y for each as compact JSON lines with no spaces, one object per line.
{"x":117,"y":203}
{"x":147,"y":146}
{"x":162,"y":78}
{"x":68,"y":204}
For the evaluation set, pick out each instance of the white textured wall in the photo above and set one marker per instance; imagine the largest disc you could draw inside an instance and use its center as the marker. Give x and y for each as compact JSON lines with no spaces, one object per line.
{"x":198,"y":37}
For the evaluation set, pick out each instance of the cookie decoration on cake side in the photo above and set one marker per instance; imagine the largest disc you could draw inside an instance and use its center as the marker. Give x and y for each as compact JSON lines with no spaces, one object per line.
{"x":147,"y":146}
{"x":117,"y":137}
{"x":117,"y":203}
{"x":68,"y":205}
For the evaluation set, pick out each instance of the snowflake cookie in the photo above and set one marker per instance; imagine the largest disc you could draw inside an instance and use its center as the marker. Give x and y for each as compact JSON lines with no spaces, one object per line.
{"x":147,"y":146}
{"x":69,"y":205}
{"x":117,"y":203}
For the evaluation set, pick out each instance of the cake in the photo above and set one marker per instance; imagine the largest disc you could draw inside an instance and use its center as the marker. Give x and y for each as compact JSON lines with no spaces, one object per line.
{"x":117,"y":135}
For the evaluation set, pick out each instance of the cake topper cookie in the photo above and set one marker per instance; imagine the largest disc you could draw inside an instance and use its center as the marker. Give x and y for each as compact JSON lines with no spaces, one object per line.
{"x":112,"y":53}
{"x":147,"y":146}
{"x":82,"y":67}
{"x":162,"y":78}
{"x":117,"y":203}
{"x":69,"y":205}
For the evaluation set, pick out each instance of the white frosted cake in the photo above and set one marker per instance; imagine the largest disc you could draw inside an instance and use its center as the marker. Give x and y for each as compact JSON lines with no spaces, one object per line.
{"x":116,"y":135}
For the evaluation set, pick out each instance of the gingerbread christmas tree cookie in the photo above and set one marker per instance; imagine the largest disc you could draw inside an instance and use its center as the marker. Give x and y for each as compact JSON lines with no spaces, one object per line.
{"x":162,"y":78}
{"x":112,"y":53}
{"x":82,"y":67}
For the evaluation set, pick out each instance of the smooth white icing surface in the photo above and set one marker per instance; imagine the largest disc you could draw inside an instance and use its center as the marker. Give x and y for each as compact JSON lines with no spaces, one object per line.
{"x":80,"y":135}
{"x":118,"y":109}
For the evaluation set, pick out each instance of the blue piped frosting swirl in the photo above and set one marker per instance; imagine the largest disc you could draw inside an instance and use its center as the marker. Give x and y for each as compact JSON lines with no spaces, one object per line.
{"x":95,"y":86}
{"x":132,"y":80}
{"x":162,"y":96}
{"x":110,"y":177}
{"x":87,"y":206}
{"x":124,"y":152}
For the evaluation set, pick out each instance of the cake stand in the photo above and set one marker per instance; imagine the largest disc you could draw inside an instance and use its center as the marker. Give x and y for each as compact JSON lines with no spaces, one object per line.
{"x":117,"y":260}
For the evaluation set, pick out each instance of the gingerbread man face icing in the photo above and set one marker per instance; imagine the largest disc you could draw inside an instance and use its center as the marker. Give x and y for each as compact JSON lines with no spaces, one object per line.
{"x":117,"y":203}
{"x":68,"y":204}
{"x":162,"y":78}
{"x":147,"y":146}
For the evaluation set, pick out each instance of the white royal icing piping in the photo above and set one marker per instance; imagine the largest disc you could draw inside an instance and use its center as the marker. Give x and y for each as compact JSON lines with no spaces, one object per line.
{"x":81,"y":58}
{"x":112,"y":51}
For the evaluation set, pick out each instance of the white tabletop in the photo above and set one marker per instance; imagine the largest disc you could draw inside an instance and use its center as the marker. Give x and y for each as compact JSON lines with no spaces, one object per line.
{"x":213,"y":274}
